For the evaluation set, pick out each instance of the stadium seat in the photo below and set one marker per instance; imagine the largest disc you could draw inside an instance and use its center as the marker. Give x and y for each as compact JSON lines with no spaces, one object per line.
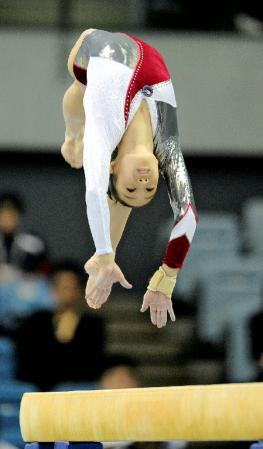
{"x":225,"y":289}
{"x":12,"y":437}
{"x":7,"y":359}
{"x":253,"y":225}
{"x":21,"y":297}
{"x":217,"y":238}
{"x":11,"y":393}
{"x":240,"y":366}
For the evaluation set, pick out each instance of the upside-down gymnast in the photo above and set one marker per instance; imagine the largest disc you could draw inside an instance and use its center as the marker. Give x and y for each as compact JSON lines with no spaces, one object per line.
{"x":120,"y":118}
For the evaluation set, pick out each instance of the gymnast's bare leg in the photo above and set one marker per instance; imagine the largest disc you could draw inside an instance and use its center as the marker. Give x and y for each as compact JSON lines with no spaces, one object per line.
{"x":73,"y":112}
{"x":74,"y":116}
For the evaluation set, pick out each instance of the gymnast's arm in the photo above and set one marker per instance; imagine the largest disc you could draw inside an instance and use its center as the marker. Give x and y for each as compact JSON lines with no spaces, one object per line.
{"x":118,"y":219}
{"x":106,"y":220}
{"x":90,"y":126}
{"x":119,"y":215}
{"x":181,"y":199}
{"x":104,"y":128}
{"x":74,"y":119}
{"x":172,"y":167}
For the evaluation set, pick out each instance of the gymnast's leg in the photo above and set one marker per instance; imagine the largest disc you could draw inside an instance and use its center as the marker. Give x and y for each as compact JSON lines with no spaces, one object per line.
{"x":74,"y":116}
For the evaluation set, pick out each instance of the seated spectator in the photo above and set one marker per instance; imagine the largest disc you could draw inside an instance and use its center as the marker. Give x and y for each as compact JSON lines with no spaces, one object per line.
{"x":18,"y":249}
{"x":122,"y":372}
{"x":64,"y":345}
{"x":256,"y":334}
{"x":119,"y":372}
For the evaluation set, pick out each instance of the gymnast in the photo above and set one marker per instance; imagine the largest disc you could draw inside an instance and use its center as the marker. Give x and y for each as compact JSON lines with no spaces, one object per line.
{"x":121,"y":126}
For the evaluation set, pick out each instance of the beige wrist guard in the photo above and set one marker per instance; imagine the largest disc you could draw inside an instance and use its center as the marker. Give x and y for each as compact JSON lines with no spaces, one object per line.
{"x":162,"y":283}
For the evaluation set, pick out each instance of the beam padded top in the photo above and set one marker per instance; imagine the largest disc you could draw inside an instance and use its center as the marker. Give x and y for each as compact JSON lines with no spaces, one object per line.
{"x":196,"y":413}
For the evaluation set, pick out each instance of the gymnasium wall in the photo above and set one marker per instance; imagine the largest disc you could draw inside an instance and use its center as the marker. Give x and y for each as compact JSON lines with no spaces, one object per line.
{"x":218,"y":81}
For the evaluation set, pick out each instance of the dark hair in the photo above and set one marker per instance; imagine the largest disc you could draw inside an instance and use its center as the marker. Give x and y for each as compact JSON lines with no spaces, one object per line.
{"x":11,"y":200}
{"x":69,"y":266}
{"x":119,"y":360}
{"x":112,"y":192}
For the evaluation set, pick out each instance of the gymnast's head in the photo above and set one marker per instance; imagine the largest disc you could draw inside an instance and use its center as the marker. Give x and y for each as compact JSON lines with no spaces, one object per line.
{"x":133,"y":177}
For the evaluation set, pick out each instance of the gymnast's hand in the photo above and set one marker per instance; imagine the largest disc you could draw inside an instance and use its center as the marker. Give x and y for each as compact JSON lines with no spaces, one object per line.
{"x":103,"y":273}
{"x":159,"y":305}
{"x":158,"y":295}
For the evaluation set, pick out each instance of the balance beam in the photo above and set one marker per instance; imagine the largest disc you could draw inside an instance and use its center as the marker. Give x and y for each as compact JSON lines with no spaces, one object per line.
{"x":229,"y":412}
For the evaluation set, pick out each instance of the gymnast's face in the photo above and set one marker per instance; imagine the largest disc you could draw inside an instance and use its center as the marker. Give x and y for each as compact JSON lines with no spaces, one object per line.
{"x":136,"y":178}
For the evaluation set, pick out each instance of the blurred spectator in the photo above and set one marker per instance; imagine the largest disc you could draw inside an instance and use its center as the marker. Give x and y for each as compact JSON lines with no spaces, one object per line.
{"x":18,"y":249}
{"x":122,"y":372}
{"x":63,"y":345}
{"x":256,"y":333}
{"x":119,"y":372}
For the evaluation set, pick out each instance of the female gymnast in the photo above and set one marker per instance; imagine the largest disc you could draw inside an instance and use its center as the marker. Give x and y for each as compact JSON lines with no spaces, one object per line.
{"x":120,"y":118}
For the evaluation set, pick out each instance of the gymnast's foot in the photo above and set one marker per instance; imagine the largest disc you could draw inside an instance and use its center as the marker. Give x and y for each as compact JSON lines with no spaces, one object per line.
{"x":72,"y":151}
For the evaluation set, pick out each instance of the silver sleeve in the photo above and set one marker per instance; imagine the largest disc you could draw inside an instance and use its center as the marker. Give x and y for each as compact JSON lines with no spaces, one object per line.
{"x":171,"y":161}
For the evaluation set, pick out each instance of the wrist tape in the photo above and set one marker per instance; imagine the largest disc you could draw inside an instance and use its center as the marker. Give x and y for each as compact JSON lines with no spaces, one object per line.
{"x":162,"y":283}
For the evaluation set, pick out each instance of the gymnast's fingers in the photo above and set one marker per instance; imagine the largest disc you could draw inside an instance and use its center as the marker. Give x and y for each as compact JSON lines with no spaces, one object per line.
{"x":171,"y":311}
{"x":159,"y":321}
{"x":153,"y":313}
{"x":91,"y":288}
{"x":163,"y":317}
{"x":98,"y":282}
{"x":118,"y":276}
{"x":101,"y":296}
{"x":90,"y":302}
{"x":145,"y":304}
{"x":123,"y":281}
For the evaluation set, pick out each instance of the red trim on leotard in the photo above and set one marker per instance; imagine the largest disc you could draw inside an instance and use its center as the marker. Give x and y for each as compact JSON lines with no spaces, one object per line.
{"x":190,"y":206}
{"x":177,"y":249}
{"x":176,"y":252}
{"x":80,"y":74}
{"x":150,"y":69}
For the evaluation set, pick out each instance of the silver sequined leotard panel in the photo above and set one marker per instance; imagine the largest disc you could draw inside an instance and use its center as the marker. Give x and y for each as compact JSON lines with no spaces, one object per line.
{"x":171,"y":161}
{"x":115,"y":46}
{"x":172,"y":167}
